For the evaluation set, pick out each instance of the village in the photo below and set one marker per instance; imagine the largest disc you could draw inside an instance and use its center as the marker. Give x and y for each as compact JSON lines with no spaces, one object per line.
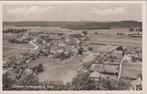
{"x":96,"y":64}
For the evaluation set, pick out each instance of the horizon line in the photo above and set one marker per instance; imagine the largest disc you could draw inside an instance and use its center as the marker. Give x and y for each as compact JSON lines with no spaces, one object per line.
{"x":75,"y":21}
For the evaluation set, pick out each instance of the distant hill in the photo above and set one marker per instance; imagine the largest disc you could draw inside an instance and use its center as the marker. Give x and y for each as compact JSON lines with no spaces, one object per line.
{"x":78,"y":25}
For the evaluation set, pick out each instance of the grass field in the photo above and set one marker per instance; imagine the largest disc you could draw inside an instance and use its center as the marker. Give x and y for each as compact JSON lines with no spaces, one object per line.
{"x":114,"y":39}
{"x":57,"y":69}
{"x":10,"y":49}
{"x":131,"y":70}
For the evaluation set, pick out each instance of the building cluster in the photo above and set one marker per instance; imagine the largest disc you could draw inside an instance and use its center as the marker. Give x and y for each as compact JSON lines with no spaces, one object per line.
{"x":44,"y":44}
{"x":108,"y":65}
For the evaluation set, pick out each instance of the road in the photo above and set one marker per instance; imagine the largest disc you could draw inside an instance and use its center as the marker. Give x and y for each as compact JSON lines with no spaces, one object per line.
{"x":35,"y":46}
{"x":120,"y":67}
{"x":16,"y":47}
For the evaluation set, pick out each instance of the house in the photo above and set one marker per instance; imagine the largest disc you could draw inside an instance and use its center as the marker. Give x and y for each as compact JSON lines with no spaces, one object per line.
{"x":135,"y":57}
{"x":28,"y":71}
{"x":7,"y":63}
{"x":81,"y":71}
{"x":108,"y":76}
{"x":90,"y":58}
{"x":96,"y":67}
{"x":137,"y":84}
{"x":61,"y":45}
{"x":117,"y":54}
{"x":106,"y":48}
{"x":130,"y":71}
{"x":67,"y":40}
{"x":95,"y":76}
{"x":128,"y":58}
{"x":20,"y":61}
{"x":110,"y":69}
{"x":115,"y":62}
{"x":77,"y":41}
{"x":135,"y":32}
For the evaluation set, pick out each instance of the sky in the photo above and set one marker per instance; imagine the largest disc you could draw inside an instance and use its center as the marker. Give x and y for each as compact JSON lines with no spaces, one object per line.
{"x":72,"y":12}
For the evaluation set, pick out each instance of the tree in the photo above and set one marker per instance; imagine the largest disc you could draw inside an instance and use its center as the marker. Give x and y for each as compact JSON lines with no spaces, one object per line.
{"x":131,"y":29}
{"x":28,"y":80}
{"x":40,"y":68}
{"x":11,"y":60}
{"x":80,"y":51}
{"x":80,"y":81}
{"x":7,"y":81}
{"x":95,"y":33}
{"x":123,"y":84}
{"x":113,"y":84}
{"x":84,"y":32}
{"x":90,"y":48}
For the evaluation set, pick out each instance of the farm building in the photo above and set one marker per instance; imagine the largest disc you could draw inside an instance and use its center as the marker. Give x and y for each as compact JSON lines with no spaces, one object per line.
{"x":90,"y":58}
{"x":82,"y":71}
{"x":137,"y":84}
{"x":117,"y":54}
{"x":110,"y":69}
{"x":128,"y":58}
{"x":95,"y":76}
{"x":20,"y":61}
{"x":113,"y":60}
{"x":7,"y":63}
{"x":96,"y":67}
{"x":67,"y":39}
{"x":135,"y":57}
{"x":130,"y":75}
{"x":131,"y":70}
{"x":108,"y":76}
{"x":106,"y":48}
{"x":28,"y":71}
{"x":61,"y":44}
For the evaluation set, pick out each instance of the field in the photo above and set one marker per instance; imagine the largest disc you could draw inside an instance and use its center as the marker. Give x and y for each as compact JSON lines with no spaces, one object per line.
{"x":57,"y":69}
{"x":131,"y":70}
{"x":10,"y":49}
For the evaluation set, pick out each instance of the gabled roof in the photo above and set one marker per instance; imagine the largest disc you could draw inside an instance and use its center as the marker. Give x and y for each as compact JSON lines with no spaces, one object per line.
{"x":112,"y":69}
{"x":139,"y":76}
{"x":95,"y":74}
{"x":106,"y":48}
{"x":108,"y":76}
{"x":90,"y":58}
{"x":97,"y":67}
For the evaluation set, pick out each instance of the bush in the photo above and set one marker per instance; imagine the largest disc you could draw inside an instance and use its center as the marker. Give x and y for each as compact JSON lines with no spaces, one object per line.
{"x":90,"y":48}
{"x":84,"y":32}
{"x":7,"y":81}
{"x":131,"y":29}
{"x":38,"y":68}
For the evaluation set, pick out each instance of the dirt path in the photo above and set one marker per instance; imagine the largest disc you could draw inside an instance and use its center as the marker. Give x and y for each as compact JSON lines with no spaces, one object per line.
{"x":120,"y":67}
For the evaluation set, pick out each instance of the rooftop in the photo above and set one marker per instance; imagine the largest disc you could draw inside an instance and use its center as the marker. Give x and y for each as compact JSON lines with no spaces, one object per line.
{"x":95,"y":74}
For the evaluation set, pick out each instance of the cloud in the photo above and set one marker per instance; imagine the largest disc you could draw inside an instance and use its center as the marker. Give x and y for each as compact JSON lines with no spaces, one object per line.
{"x":29,"y":10}
{"x":110,"y":11}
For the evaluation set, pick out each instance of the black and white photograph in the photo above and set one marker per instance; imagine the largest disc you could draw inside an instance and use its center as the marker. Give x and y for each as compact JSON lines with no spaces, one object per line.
{"x":75,"y":46}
